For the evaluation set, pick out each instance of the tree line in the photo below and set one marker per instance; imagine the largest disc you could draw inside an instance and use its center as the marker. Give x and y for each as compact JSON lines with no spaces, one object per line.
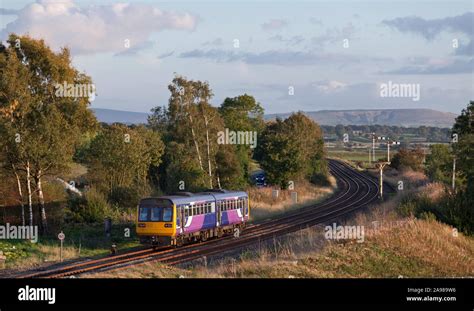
{"x":431,"y":133}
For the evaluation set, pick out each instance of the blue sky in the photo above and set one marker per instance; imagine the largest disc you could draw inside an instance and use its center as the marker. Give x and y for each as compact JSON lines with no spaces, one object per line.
{"x":281,"y":44}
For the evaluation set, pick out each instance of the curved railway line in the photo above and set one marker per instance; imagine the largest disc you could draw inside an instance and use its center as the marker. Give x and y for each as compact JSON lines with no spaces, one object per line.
{"x":355,"y":190}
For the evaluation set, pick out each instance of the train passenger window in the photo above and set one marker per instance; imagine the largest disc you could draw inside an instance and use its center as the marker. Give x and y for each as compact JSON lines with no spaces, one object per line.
{"x":167,"y":214}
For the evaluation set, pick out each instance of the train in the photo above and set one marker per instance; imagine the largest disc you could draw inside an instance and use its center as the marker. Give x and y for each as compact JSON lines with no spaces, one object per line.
{"x":185,"y":217}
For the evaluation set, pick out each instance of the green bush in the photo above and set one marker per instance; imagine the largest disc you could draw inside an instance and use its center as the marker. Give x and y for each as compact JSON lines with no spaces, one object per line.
{"x":90,"y":208}
{"x":453,"y":209}
{"x":124,"y":197}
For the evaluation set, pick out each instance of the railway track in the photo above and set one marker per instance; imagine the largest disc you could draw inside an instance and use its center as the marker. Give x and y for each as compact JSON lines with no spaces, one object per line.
{"x":355,"y":191}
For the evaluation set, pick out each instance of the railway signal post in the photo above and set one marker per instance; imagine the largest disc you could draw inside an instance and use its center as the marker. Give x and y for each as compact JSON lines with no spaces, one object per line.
{"x":373,"y":147}
{"x":381,"y":166}
{"x":389,"y":142}
{"x":61,"y":237}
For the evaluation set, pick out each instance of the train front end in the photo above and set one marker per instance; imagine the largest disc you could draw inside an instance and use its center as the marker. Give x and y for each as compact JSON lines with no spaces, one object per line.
{"x":156,"y":221}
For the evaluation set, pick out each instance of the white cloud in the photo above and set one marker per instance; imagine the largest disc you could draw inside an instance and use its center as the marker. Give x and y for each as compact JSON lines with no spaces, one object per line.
{"x":330,"y":86}
{"x":92,"y":29}
{"x":274,"y":24}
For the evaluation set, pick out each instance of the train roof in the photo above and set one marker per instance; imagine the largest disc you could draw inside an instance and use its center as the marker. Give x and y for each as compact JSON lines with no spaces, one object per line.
{"x":211,"y":195}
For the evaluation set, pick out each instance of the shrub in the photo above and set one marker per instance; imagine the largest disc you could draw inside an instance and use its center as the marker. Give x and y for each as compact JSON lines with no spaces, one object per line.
{"x":91,"y":208}
{"x":124,"y":197}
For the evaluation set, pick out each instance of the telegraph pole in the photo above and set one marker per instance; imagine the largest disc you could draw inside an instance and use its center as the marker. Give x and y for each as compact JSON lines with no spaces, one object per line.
{"x":373,"y":147}
{"x":388,"y":150}
{"x":453,"y":183}
{"x":381,"y":166}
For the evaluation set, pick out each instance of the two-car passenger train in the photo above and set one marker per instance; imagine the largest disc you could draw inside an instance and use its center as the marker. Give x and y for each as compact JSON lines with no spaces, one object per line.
{"x":188,"y":217}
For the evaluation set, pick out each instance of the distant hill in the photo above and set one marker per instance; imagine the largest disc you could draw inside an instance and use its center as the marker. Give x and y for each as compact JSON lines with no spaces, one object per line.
{"x":398,"y":117}
{"x":126,"y":117}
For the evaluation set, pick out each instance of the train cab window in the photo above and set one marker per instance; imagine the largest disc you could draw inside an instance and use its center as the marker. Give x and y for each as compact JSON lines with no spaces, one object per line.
{"x":143,"y":215}
{"x":156,"y":214}
{"x":167,"y":214}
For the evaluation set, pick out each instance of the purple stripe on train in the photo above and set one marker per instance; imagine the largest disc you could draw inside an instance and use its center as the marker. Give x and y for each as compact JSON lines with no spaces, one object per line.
{"x":200,"y":222}
{"x":230,"y":217}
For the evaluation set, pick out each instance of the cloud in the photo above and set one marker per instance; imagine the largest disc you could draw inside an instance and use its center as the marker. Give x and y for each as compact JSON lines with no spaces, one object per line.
{"x":135,"y":49}
{"x":8,"y":11}
{"x":91,"y":29}
{"x":458,"y":66}
{"x":329,"y":86}
{"x":215,"y":42}
{"x":315,"y":21}
{"x":290,"y":41}
{"x":270,"y":57}
{"x":333,"y":35}
{"x":274,"y":24}
{"x":283,"y":57}
{"x":431,"y":28}
{"x":165,"y":55}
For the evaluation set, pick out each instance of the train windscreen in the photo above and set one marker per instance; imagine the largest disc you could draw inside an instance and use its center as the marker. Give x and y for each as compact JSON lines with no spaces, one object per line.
{"x":155,"y":210}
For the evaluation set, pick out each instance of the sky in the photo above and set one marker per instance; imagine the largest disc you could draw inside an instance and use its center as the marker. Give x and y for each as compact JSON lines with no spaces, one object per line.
{"x":290,"y":55}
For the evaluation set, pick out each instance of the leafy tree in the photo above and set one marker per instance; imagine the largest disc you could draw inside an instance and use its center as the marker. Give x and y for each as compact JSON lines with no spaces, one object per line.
{"x":190,"y":127}
{"x":41,"y":127}
{"x":408,"y":158}
{"x":463,"y":149}
{"x":438,"y":163}
{"x":292,"y":149}
{"x":120,"y":157}
{"x":242,"y":113}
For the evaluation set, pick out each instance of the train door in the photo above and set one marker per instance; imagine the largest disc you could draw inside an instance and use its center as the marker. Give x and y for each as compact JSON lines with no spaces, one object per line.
{"x":179,"y":219}
{"x":246,"y":207}
{"x":219,"y":213}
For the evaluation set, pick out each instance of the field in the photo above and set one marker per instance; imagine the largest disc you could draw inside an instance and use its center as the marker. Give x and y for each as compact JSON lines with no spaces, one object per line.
{"x":355,"y":155}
